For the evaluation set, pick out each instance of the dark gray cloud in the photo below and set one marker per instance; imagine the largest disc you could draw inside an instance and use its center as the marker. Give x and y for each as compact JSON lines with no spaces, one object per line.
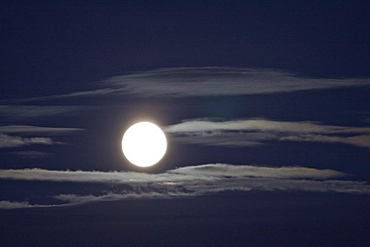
{"x":20,"y":112}
{"x":34,"y":129}
{"x":31,"y":154}
{"x":259,"y":131}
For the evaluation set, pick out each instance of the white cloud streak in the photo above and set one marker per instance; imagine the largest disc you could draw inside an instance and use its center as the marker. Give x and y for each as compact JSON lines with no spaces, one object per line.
{"x":10,"y":141}
{"x":207,"y":81}
{"x":259,"y":131}
{"x":167,"y":190}
{"x":17,"y":205}
{"x":188,"y":181}
{"x":13,"y":205}
{"x":218,"y":81}
{"x":188,"y":173}
{"x":7,"y":141}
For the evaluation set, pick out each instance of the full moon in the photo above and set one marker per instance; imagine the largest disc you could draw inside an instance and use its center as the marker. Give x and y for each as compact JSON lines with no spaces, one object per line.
{"x":144,"y":144}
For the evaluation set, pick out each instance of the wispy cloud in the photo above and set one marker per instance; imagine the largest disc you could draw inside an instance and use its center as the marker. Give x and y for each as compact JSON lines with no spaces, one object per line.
{"x":34,"y":129}
{"x":7,"y":141}
{"x":167,"y":190}
{"x":89,"y":93}
{"x":259,"y":131}
{"x":214,"y":81}
{"x":207,"y":81}
{"x":13,"y":205}
{"x":32,"y":154}
{"x":16,"y":112}
{"x":187,"y":181}
{"x":25,"y":204}
{"x":204,"y":172}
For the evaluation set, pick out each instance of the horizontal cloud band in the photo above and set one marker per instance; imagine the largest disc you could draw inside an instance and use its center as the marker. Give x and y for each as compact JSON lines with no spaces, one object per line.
{"x":188,"y":173}
{"x":8,"y":141}
{"x":208,"y":81}
{"x":217,"y":81}
{"x":187,"y":181}
{"x":257,"y":131}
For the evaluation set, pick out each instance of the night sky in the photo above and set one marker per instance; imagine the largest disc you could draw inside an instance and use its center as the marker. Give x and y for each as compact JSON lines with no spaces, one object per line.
{"x":265,"y":106}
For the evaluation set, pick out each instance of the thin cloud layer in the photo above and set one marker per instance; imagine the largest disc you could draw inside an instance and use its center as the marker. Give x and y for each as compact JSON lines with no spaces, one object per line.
{"x":259,"y":131}
{"x":206,"y":81}
{"x":226,"y":170}
{"x":10,"y":141}
{"x":31,"y":154}
{"x":17,"y":112}
{"x":34,"y":129}
{"x":7,"y":141}
{"x":186,"y":181}
{"x":13,"y":205}
{"x":188,"y":173}
{"x":221,"y":81}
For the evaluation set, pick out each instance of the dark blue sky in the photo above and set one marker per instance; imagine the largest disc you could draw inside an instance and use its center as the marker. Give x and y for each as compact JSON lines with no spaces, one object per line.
{"x":54,"y":47}
{"x":265,"y":105}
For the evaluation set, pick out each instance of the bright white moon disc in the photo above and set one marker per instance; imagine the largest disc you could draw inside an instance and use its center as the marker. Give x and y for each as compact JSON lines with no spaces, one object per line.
{"x":144,"y":144}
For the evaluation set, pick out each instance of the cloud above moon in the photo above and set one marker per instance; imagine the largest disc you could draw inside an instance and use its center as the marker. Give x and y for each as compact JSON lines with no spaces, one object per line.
{"x":22,"y":112}
{"x":184,"y":182}
{"x":207,"y":81}
{"x":221,"y":81}
{"x":249,"y":132}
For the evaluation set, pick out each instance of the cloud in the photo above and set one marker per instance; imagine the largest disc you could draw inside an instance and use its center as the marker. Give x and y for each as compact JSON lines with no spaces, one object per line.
{"x":80,"y":199}
{"x":207,"y":81}
{"x":361,"y":140}
{"x":226,"y":170}
{"x":186,"y":181}
{"x":259,"y":131}
{"x":210,"y":175}
{"x":32,"y":154}
{"x":16,"y":112}
{"x":262,"y":125}
{"x":13,"y":205}
{"x":219,"y":81}
{"x":17,"y":205}
{"x":204,"y":172}
{"x":7,"y":141}
{"x":90,"y":93}
{"x":34,"y":129}
{"x":168,"y":190}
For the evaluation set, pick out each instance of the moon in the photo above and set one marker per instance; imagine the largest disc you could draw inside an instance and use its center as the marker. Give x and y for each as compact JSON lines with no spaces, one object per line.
{"x":144,"y":144}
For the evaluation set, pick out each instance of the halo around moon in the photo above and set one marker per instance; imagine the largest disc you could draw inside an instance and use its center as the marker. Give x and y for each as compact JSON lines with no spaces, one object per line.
{"x":144,"y":144}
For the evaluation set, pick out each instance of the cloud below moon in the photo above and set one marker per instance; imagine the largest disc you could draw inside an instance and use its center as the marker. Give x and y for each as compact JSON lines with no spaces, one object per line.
{"x":186,"y":181}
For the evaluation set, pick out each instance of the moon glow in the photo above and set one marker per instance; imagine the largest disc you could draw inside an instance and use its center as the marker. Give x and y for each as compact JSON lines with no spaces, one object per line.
{"x":144,"y":144}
